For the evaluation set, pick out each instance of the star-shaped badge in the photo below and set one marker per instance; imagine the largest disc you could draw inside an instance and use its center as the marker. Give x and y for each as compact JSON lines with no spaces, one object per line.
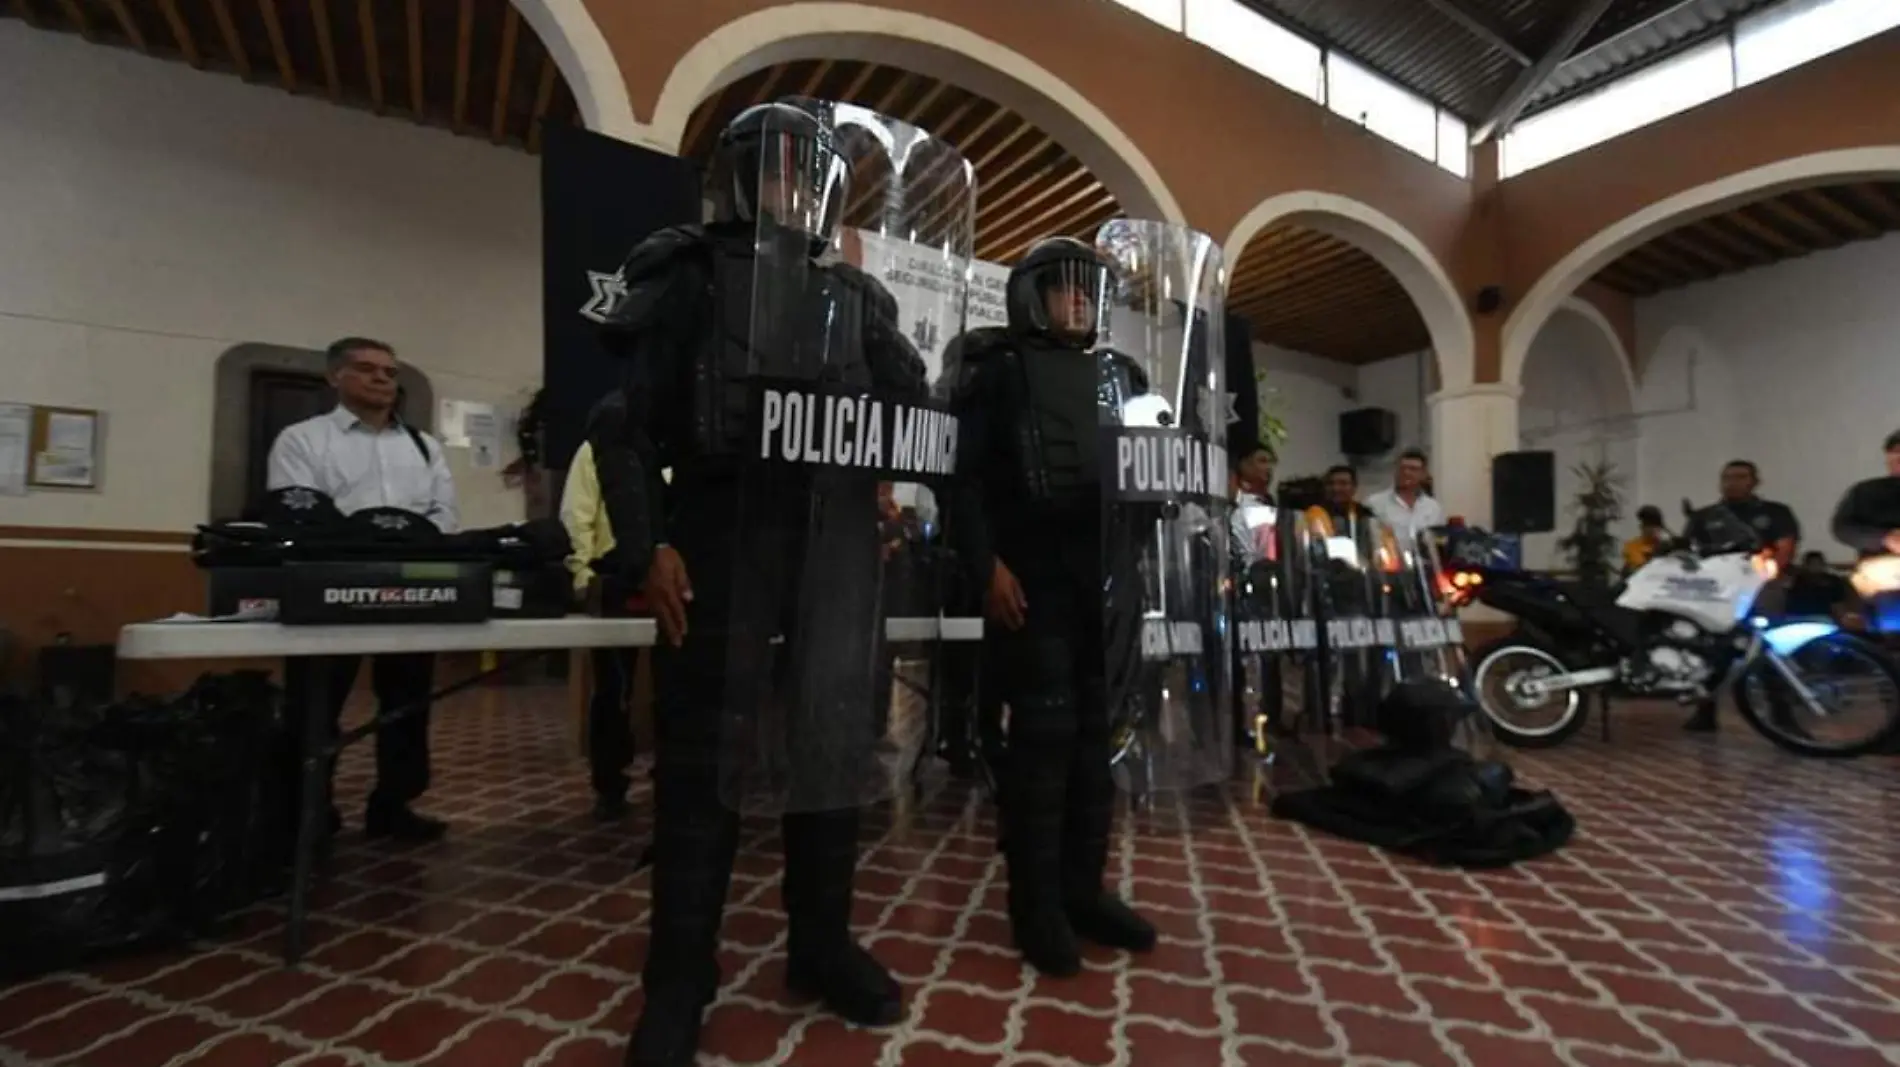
{"x":300,"y":500}
{"x":609,"y":290}
{"x":390,"y":522}
{"x":1210,"y":408}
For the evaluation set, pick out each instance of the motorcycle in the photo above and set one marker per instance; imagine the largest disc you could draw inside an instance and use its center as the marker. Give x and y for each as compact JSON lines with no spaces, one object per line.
{"x":1683,"y":626}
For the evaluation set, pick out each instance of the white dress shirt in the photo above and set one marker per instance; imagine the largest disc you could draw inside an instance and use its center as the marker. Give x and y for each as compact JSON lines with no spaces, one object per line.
{"x":358,"y":467}
{"x":1413,"y":519}
{"x":1253,"y":527}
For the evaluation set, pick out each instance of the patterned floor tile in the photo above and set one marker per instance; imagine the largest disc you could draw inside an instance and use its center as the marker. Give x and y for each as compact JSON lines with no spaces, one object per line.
{"x":1723,"y":905}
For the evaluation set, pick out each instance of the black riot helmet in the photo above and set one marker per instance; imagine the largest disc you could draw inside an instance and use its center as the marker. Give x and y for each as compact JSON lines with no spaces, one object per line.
{"x":1060,"y":289}
{"x":781,"y":162}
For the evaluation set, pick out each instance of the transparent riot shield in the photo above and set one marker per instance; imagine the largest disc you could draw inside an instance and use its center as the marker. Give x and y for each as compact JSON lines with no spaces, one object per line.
{"x":860,"y":255}
{"x":1427,"y":637}
{"x":1348,"y":591}
{"x":1162,"y":406}
{"x":1275,"y":631}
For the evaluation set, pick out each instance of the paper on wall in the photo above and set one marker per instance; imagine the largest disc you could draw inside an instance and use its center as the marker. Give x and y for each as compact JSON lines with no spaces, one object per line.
{"x":68,"y":458}
{"x":16,"y":436}
{"x":483,"y":431}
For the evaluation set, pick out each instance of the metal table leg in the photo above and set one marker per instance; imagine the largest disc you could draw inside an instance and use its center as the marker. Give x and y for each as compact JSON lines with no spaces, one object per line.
{"x":306,"y":683}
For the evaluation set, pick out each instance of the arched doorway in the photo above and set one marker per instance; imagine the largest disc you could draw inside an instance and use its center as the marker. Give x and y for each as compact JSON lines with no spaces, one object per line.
{"x":1355,"y":311}
{"x":1577,"y":401}
{"x":574,"y":42}
{"x":1606,"y":247}
{"x":926,"y":48}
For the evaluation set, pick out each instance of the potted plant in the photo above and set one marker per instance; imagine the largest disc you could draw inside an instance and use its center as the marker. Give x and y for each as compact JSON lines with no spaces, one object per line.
{"x":1590,"y":546}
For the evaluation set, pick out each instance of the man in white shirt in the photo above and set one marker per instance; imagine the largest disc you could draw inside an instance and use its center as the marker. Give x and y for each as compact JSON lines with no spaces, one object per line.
{"x":362,"y":455}
{"x":1406,"y":507}
{"x":1253,"y":501}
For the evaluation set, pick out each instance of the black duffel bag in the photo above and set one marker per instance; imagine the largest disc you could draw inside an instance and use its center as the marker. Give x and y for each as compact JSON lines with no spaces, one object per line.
{"x":141,"y":822}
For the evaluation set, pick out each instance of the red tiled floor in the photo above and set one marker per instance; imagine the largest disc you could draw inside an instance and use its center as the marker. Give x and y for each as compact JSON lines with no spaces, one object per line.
{"x":1723,"y":905}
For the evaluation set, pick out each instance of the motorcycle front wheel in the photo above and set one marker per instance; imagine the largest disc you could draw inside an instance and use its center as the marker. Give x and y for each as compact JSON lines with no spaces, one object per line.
{"x":1499,"y":672}
{"x":1856,"y":690}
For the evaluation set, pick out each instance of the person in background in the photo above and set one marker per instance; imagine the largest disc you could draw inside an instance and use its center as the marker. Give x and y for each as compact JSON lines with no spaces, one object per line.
{"x":1816,"y":591}
{"x":1252,"y":489}
{"x":1649,"y":539}
{"x":1867,"y":519}
{"x":1773,"y":525}
{"x":362,"y":455}
{"x":605,"y":591}
{"x":1342,"y":499}
{"x":1406,"y":507}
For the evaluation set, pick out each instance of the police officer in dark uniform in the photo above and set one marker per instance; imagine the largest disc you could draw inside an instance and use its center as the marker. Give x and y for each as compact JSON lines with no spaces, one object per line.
{"x":684,"y":328}
{"x":1773,"y":525}
{"x":1027,"y":522}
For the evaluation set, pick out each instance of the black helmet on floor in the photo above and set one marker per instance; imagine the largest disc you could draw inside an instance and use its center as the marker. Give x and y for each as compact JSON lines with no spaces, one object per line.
{"x":781,"y":161}
{"x":1060,"y":265}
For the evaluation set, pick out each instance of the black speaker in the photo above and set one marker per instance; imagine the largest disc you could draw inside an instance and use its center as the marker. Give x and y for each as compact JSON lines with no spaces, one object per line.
{"x":1368,"y":431}
{"x":1524,"y":492}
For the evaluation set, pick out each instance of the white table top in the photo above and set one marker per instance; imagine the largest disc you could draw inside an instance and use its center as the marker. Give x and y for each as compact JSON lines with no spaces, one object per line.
{"x":201,"y":639}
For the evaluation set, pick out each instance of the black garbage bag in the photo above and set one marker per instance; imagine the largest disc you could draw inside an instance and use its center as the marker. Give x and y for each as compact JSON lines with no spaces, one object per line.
{"x":143,"y":821}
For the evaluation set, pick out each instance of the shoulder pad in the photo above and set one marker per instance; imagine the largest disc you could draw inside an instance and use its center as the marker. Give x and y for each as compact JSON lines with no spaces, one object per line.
{"x":882,"y":302}
{"x":660,"y":250}
{"x":973,"y":346}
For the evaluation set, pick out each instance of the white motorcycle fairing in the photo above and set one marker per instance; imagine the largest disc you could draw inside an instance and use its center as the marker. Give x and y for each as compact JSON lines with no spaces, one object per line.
{"x":1716,"y":593}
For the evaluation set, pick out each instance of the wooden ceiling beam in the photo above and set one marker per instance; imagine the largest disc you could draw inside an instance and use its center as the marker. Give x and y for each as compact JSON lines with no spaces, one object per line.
{"x":326,"y":48}
{"x":1682,"y":246}
{"x":768,"y":88}
{"x":233,"y":43}
{"x":1820,"y":236}
{"x":818,"y":73}
{"x":856,"y":89}
{"x":1292,"y":268}
{"x":543,"y":99}
{"x":1873,"y":196}
{"x":1782,"y":245}
{"x":418,"y":97}
{"x":279,"y":47}
{"x":1321,"y":269}
{"x":128,"y":25}
{"x":505,"y":73}
{"x":915,"y":113}
{"x":1824,"y":204}
{"x":1670,"y":269}
{"x":992,"y":118}
{"x":372,"y":54}
{"x":181,"y":33}
{"x":889,"y":97}
{"x":464,"y":61}
{"x":76,"y":16}
{"x":696,"y":123}
{"x":1033,"y":224}
{"x":1746,"y":252}
{"x":1019,"y":210}
{"x":1343,"y":294}
{"x":1642,"y":271}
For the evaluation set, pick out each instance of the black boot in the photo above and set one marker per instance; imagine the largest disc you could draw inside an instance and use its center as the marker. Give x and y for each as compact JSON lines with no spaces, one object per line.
{"x":667,"y":1034}
{"x":694,"y":838}
{"x":1094,"y":913}
{"x":1034,"y":791}
{"x":822,"y":960}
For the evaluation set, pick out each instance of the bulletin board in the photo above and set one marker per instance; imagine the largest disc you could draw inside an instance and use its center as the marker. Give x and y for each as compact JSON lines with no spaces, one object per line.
{"x":63,"y":448}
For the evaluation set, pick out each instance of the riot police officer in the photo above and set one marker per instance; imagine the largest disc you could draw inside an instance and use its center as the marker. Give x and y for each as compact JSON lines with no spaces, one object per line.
{"x":722,"y":548}
{"x":1027,"y":523}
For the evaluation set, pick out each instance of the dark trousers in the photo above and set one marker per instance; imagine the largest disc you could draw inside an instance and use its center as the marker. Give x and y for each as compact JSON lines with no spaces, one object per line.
{"x":402,"y":746}
{"x":609,"y":717}
{"x":695,"y":832}
{"x":1057,"y":790}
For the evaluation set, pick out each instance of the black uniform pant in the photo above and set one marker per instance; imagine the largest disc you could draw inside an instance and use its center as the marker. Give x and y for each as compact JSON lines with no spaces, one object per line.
{"x":1057,"y":791}
{"x":696,"y":833}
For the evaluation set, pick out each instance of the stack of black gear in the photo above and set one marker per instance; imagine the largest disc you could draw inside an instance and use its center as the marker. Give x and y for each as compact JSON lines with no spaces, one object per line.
{"x":144,"y":821}
{"x":1420,"y":795}
{"x":303,"y":561}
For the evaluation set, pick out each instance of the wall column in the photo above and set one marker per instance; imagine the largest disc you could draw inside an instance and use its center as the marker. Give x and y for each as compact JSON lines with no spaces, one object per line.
{"x":1469,"y":426}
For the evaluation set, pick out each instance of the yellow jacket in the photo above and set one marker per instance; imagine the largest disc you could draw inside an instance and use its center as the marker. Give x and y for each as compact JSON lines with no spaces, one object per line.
{"x":1636,"y":552}
{"x":588,"y":532}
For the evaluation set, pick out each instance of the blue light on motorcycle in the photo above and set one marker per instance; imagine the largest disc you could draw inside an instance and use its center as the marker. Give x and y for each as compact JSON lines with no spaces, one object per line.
{"x":1789,"y":637}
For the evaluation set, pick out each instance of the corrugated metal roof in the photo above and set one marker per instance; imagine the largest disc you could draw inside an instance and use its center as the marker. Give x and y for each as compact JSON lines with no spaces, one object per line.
{"x":1426,"y":46}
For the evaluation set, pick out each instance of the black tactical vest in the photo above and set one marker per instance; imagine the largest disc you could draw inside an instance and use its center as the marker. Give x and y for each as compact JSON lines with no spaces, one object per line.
{"x":1057,"y":422}
{"x":813,"y":315}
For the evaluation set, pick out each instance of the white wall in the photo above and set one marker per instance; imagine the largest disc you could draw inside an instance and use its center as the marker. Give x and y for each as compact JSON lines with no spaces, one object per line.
{"x":153,"y":216}
{"x":1796,"y":366}
{"x":1312,"y":392}
{"x":1573,"y":400}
